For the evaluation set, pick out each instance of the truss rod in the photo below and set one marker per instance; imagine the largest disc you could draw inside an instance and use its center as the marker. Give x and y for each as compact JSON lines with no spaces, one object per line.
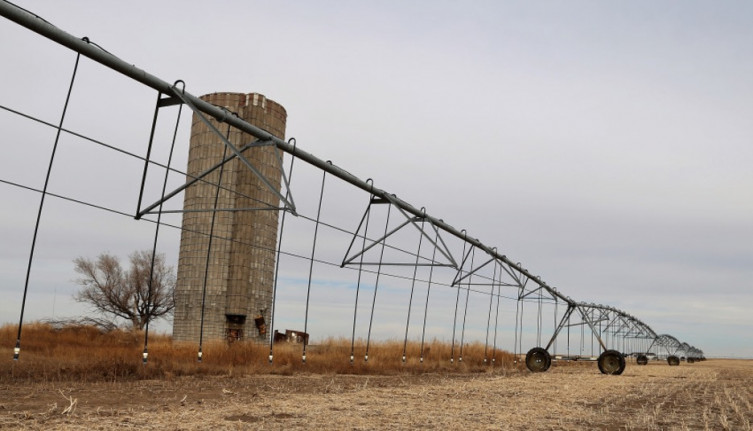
{"x":565,"y":318}
{"x":194,"y":180}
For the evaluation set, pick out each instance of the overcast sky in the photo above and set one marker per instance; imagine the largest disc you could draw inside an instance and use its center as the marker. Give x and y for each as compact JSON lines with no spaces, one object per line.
{"x":605,"y":145}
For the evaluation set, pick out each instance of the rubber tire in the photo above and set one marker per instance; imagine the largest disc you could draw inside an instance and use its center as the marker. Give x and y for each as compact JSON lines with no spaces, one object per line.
{"x":641,"y":360}
{"x":690,"y":360}
{"x":611,"y":362}
{"x":673,"y":361}
{"x":538,"y":360}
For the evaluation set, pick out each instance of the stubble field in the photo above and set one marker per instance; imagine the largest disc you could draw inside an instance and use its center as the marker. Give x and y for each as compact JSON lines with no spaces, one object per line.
{"x":715,"y":394}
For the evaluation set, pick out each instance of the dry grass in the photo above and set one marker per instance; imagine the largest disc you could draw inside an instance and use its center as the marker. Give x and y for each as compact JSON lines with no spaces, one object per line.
{"x":711,"y":395}
{"x":83,"y":353}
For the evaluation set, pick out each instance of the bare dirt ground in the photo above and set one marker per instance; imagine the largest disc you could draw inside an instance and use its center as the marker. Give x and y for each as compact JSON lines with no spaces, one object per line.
{"x":716,"y":394}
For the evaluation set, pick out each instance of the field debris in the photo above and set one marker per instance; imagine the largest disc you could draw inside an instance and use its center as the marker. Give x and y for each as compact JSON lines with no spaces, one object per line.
{"x":715,"y":394}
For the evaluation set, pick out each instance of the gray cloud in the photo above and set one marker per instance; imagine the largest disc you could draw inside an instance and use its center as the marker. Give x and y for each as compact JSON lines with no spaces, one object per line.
{"x":607,"y":147}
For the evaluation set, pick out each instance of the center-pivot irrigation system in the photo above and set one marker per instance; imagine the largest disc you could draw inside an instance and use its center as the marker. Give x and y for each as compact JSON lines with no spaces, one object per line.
{"x":430,"y":271}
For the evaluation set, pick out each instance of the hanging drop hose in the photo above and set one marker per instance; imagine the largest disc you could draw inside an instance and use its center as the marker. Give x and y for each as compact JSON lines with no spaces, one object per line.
{"x":489,"y":318}
{"x":582,"y":338}
{"x":465,"y":313}
{"x":457,"y":299}
{"x":412,"y":288}
{"x":428,"y":292}
{"x":376,"y":283}
{"x":279,"y":247}
{"x":145,"y":353}
{"x":496,"y":319}
{"x":366,"y":217}
{"x":17,"y":348}
{"x":556,"y":312}
{"x":200,"y":354}
{"x":568,"y":336}
{"x":520,"y":326}
{"x":311,"y":268}
{"x":539,"y":322}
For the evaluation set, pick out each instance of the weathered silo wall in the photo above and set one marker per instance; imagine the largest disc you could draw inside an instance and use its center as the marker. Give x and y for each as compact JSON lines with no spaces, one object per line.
{"x":240,"y":274}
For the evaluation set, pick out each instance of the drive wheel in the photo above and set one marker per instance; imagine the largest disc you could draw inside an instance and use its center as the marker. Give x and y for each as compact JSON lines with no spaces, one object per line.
{"x":538,"y":360}
{"x":642,"y":360}
{"x":611,"y":362}
{"x":673,"y":360}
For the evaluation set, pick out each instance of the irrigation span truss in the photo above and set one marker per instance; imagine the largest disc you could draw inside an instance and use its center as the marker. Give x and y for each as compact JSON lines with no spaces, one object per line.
{"x":396,"y":248}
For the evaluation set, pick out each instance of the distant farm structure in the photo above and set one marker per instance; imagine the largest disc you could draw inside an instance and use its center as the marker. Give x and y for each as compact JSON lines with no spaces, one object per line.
{"x":229,"y":232}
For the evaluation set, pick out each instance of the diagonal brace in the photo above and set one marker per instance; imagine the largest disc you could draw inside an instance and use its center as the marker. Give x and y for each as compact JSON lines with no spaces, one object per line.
{"x":198,"y":178}
{"x":408,"y":220}
{"x":561,"y":325}
{"x":288,"y":203}
{"x":443,"y":249}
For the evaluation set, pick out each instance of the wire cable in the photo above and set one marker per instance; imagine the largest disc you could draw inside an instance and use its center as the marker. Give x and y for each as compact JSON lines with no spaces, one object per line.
{"x":133,"y":155}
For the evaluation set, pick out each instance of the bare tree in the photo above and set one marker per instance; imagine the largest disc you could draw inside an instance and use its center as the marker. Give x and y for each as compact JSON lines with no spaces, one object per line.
{"x":116,"y":293}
